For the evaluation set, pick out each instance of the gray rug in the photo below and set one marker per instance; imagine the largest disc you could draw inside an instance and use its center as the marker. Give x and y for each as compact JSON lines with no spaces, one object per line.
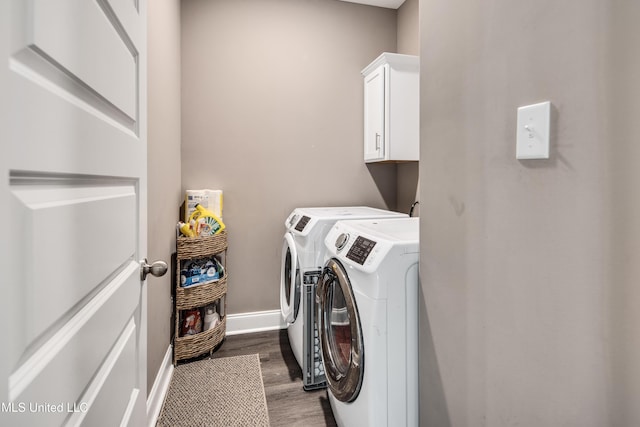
{"x":216,"y":392}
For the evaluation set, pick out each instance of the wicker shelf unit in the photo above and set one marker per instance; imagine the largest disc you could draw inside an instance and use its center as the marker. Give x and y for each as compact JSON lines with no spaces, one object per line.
{"x":199,"y":296}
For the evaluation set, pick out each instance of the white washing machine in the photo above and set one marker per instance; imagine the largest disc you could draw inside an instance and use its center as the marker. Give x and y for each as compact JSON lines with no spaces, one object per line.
{"x":303,"y":253}
{"x":368,"y":322}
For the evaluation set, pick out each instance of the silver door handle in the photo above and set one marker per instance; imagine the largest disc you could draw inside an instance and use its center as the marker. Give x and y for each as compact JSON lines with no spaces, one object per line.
{"x":158,"y":268}
{"x":377,"y":141}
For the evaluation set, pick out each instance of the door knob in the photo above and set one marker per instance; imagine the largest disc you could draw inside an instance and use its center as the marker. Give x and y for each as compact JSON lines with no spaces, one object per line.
{"x":158,"y":268}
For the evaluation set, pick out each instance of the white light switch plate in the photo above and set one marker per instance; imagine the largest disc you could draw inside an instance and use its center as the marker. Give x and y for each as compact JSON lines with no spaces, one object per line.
{"x":532,"y":135}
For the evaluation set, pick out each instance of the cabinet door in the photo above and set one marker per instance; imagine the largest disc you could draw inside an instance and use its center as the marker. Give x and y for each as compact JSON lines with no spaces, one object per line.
{"x":374,"y":105}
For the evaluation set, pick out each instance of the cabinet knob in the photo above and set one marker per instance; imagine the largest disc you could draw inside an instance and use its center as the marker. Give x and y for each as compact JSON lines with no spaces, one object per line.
{"x":158,"y":268}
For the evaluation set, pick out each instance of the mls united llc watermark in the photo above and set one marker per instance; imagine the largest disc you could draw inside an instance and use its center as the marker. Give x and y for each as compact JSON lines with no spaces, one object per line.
{"x":47,"y":407}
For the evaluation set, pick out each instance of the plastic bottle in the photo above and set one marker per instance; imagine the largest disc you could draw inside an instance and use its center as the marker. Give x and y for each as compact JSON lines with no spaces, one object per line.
{"x":185,"y":229}
{"x":191,"y":322}
{"x":211,"y":318}
{"x":204,"y":215}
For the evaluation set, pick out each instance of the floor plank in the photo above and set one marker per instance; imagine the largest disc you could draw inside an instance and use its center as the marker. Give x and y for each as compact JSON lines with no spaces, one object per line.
{"x":288,"y":403}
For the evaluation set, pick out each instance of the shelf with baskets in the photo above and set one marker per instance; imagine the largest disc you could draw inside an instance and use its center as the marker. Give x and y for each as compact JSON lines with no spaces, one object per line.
{"x":193,"y":299}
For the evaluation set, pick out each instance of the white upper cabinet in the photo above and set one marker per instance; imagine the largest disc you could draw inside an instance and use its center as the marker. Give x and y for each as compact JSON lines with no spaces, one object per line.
{"x":391,"y":108}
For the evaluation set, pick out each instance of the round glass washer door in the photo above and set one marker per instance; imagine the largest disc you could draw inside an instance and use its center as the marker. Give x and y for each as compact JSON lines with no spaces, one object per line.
{"x":289,"y":280}
{"x":340,"y":332}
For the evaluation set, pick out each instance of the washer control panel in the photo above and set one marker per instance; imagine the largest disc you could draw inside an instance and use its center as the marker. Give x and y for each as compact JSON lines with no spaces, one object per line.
{"x":360,"y":249}
{"x":302,"y":223}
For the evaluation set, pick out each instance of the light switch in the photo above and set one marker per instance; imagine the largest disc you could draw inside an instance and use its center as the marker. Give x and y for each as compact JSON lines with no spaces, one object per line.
{"x":532,"y":135}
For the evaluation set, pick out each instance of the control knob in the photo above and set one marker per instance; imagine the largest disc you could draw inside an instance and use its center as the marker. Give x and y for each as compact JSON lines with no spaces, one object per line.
{"x":341,"y":241}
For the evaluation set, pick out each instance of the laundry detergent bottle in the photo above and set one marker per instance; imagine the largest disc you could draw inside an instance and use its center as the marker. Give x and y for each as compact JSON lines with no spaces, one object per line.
{"x":207,"y":222}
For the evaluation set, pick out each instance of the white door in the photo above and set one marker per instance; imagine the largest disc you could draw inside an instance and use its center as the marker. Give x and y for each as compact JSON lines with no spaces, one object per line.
{"x":374,"y":111}
{"x":73,"y":188}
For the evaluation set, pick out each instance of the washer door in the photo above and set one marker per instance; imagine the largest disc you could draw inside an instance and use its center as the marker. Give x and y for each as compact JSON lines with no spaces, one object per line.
{"x":340,"y":332}
{"x":289,"y":280}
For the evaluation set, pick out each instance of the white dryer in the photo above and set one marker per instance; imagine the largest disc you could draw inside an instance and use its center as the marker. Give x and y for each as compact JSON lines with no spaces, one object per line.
{"x":368,"y":322}
{"x":303,"y":253}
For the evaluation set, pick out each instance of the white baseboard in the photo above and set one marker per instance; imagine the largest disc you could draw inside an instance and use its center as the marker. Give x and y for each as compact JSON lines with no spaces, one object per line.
{"x":245,"y":323}
{"x":160,"y":388}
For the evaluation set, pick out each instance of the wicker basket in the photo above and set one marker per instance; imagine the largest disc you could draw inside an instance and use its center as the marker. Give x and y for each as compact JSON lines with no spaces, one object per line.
{"x":198,"y":296}
{"x":198,"y":247}
{"x":194,"y":345}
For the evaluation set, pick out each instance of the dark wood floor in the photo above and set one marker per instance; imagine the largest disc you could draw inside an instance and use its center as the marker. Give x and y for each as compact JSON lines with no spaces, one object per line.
{"x":289,"y":404}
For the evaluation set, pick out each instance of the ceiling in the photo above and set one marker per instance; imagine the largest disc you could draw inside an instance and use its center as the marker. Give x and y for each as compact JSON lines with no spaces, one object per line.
{"x":390,"y":4}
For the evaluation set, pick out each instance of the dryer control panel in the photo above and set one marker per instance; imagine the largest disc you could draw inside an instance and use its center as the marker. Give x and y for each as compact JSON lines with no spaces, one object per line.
{"x":360,"y":249}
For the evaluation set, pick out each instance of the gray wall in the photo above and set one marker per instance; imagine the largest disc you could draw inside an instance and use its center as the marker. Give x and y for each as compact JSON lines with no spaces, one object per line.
{"x":622,"y":293}
{"x":272,"y":114}
{"x":164,"y":192}
{"x":529,"y":268}
{"x":408,"y":28}
{"x":409,"y":44}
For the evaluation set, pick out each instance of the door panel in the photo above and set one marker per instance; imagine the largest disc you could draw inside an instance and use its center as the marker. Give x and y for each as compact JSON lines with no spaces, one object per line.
{"x":104,"y":402}
{"x":126,"y":12}
{"x":64,"y":129}
{"x":6,"y":258}
{"x":101,"y":220}
{"x":70,"y":358}
{"x":374,"y":110}
{"x":85,"y":40}
{"x":74,"y":188}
